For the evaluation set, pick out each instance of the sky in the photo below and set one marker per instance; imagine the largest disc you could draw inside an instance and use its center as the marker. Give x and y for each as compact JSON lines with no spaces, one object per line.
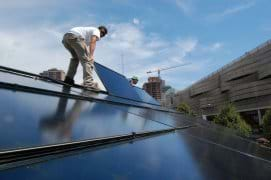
{"x":144,"y":34}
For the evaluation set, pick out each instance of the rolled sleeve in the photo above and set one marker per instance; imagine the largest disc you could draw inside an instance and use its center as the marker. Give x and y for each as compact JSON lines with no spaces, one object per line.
{"x":97,"y":34}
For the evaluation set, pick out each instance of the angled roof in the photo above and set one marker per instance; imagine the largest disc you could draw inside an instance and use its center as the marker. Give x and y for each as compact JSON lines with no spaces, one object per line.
{"x":52,"y":131}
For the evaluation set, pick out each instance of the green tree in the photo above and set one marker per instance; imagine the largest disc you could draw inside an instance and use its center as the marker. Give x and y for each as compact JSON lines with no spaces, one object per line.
{"x":185,"y":108}
{"x":267,"y":124}
{"x":227,"y":116}
{"x":230,"y":118}
{"x":243,"y":129}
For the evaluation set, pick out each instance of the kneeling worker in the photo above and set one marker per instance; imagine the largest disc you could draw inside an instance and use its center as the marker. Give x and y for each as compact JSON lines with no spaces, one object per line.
{"x":133,"y":81}
{"x":81,"y":43}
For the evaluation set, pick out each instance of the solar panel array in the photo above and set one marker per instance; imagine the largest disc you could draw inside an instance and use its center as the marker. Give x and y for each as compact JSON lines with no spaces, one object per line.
{"x":37,"y":113}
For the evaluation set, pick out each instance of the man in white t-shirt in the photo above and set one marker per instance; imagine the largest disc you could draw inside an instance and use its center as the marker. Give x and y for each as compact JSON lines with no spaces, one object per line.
{"x":81,"y":43}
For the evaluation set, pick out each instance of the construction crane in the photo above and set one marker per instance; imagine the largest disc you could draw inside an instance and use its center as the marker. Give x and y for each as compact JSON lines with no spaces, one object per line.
{"x":167,"y":68}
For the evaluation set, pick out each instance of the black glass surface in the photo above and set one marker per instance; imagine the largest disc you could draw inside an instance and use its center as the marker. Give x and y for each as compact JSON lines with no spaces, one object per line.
{"x":145,"y":96}
{"x":169,"y":156}
{"x":41,"y":84}
{"x":177,"y":120}
{"x":31,"y":120}
{"x":123,"y":101}
{"x":36,"y":83}
{"x":224,"y":137}
{"x":117,"y":84}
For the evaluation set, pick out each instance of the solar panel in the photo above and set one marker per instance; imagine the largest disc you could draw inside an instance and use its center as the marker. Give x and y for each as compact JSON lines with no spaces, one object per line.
{"x":33,"y":82}
{"x":228,"y":139}
{"x":155,"y":147}
{"x":118,"y":85}
{"x":160,"y":116}
{"x":33,"y":119}
{"x":171,"y":156}
{"x":145,"y":97}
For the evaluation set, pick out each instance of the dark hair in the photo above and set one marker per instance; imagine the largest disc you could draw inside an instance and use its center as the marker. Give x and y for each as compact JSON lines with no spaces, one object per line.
{"x":104,"y":28}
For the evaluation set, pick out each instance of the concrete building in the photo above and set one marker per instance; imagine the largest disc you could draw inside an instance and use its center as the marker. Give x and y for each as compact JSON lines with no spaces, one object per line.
{"x":154,"y":87}
{"x":54,"y":74}
{"x":168,"y":98}
{"x":246,"y":82}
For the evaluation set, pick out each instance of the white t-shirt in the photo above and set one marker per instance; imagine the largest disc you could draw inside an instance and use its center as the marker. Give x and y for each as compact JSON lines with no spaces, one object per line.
{"x":86,"y":33}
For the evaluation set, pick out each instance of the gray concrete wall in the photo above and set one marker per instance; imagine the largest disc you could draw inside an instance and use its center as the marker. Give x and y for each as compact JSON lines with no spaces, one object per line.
{"x":246,"y":83}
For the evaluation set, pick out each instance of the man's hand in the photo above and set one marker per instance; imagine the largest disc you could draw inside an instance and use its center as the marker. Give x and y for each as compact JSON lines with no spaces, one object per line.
{"x":91,"y":58}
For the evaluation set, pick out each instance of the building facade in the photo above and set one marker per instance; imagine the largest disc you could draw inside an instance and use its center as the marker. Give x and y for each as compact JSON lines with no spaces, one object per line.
{"x":246,"y":83}
{"x":54,"y":74}
{"x":168,"y":98}
{"x":154,"y":87}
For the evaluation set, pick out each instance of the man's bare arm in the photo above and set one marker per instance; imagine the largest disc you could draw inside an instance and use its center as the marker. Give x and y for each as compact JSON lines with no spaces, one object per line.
{"x":92,"y":46}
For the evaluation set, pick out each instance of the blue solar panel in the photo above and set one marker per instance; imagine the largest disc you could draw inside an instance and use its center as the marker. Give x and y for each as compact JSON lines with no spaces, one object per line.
{"x":160,"y":116}
{"x":145,"y":97}
{"x":199,"y":152}
{"x":118,"y":85}
{"x":171,"y":156}
{"x":34,"y":82}
{"x":32,"y":119}
{"x":41,"y":84}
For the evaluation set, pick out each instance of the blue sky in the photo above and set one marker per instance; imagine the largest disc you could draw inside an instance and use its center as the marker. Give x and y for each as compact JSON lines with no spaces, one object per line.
{"x":150,"y":34}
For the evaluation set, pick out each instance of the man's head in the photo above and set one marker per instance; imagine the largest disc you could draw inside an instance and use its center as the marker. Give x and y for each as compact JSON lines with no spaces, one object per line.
{"x":134,"y":80}
{"x":103,"y":31}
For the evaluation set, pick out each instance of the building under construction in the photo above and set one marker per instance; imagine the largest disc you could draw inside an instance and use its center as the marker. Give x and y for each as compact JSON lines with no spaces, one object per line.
{"x":246,"y":82}
{"x":154,"y":87}
{"x":54,"y":74}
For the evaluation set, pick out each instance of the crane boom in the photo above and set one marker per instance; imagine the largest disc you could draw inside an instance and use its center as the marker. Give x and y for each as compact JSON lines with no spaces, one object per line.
{"x":167,"y":68}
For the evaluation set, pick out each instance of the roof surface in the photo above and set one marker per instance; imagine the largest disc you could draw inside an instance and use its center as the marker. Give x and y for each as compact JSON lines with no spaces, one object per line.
{"x":52,"y":131}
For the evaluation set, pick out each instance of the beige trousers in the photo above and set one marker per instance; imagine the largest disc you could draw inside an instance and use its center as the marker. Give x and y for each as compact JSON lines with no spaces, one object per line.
{"x":79,"y":51}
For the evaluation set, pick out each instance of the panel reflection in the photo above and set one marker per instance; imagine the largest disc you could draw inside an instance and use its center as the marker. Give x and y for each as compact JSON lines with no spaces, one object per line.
{"x":33,"y":120}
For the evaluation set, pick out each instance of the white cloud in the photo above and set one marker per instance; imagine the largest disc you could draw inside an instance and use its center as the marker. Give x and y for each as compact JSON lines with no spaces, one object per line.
{"x":35,"y":45}
{"x":213,"y":47}
{"x":216,"y":46}
{"x":186,"y":6}
{"x":36,"y":49}
{"x":187,"y":45}
{"x":237,"y":9}
{"x":229,"y":11}
{"x":33,"y":51}
{"x":141,"y":52}
{"x":136,"y":21}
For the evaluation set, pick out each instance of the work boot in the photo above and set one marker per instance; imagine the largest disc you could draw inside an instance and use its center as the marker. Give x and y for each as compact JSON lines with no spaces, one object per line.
{"x":69,"y":81}
{"x":94,"y":87}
